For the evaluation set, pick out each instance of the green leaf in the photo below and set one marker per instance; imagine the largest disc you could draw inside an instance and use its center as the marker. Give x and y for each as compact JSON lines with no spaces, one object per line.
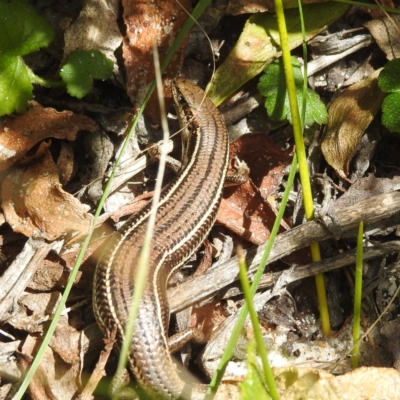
{"x":389,"y":81}
{"x":272,"y":86}
{"x":259,"y":44}
{"x":390,"y":109}
{"x":15,"y":85}
{"x":81,"y":68}
{"x":389,"y":78}
{"x":254,"y":386}
{"x":315,"y":109}
{"x":23,"y":31}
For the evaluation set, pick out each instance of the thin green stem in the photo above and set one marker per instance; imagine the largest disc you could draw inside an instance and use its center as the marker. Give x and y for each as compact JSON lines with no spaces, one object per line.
{"x":301,"y":154}
{"x":42,"y":81}
{"x":262,"y":351}
{"x":48,"y":82}
{"x":357,"y":298}
{"x":376,"y":322}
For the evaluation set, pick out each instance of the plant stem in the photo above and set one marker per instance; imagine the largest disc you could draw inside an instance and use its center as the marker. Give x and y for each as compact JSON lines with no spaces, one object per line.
{"x":301,"y":154}
{"x":357,"y":298}
{"x":262,"y":351}
{"x":35,"y":79}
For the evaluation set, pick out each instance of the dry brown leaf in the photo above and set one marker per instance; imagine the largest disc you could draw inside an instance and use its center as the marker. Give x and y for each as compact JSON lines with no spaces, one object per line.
{"x":349,"y":116}
{"x":96,"y":28}
{"x":147,"y":23}
{"x":244,"y":212}
{"x":60,"y":370}
{"x":18,"y":134}
{"x":37,"y":152}
{"x":34,"y":203}
{"x":244,"y":209}
{"x":386,"y":33}
{"x":65,"y":163}
{"x":267,"y":162}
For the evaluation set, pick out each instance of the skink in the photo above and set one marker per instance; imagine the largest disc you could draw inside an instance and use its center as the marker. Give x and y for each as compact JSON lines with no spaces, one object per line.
{"x":185,"y":215}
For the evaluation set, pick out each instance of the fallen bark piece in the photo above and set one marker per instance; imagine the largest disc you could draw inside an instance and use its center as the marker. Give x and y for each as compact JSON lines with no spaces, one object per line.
{"x":376,"y":212}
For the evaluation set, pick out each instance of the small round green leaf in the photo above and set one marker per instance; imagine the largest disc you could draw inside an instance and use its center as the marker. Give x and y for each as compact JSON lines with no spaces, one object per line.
{"x":389,"y":78}
{"x":81,"y":68}
{"x":390,"y":112}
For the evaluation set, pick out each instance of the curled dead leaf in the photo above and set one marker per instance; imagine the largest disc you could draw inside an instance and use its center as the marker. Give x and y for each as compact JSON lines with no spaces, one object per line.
{"x":385,"y":31}
{"x":349,"y":116}
{"x":96,"y":28}
{"x":244,"y":212}
{"x":18,"y":134}
{"x":148,"y":23}
{"x":244,"y":209}
{"x":34,"y":203}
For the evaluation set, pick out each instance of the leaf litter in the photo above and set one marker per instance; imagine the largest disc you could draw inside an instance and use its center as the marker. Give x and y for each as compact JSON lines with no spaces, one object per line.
{"x":32,"y":156}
